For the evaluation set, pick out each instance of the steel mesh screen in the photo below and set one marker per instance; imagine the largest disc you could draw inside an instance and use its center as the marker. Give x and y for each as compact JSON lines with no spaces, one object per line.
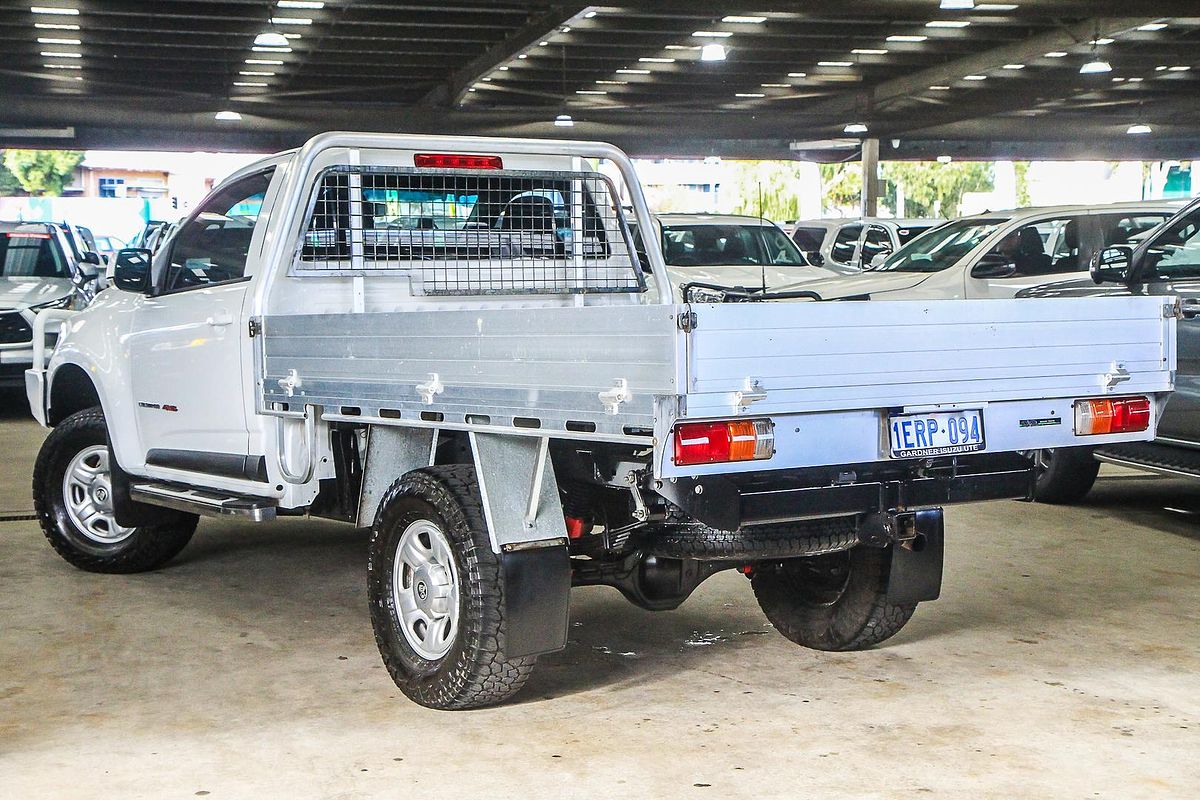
{"x":471,"y":232}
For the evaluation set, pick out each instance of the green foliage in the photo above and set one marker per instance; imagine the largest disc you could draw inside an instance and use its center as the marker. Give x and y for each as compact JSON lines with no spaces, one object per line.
{"x":9,"y":185}
{"x":842,"y":184}
{"x":1021,"y":168}
{"x":42,"y":172}
{"x":767,"y":188}
{"x":936,"y":190}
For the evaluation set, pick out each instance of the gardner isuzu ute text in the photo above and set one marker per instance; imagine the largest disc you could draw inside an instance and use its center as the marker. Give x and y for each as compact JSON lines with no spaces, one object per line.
{"x":453,"y":342}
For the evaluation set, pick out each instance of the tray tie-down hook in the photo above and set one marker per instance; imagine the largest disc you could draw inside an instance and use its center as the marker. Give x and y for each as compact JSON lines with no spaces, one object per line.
{"x":430,"y":388}
{"x":614,"y":397}
{"x":1117,"y":373}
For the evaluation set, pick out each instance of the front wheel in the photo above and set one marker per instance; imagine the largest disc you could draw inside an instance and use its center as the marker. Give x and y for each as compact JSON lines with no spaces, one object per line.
{"x":1064,"y":474}
{"x":831,"y":602}
{"x":437,"y":593}
{"x":73,"y":498}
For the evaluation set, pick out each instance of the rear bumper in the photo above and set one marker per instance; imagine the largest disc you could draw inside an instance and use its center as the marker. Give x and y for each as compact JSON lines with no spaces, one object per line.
{"x":792,"y":495}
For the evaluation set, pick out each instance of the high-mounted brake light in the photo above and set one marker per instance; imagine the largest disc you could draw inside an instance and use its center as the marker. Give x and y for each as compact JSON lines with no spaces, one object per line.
{"x":24,"y":235}
{"x":720,"y":442}
{"x":1120,"y":415}
{"x":457,"y":161}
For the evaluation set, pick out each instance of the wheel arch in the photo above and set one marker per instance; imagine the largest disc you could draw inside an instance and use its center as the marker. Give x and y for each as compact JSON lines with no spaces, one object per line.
{"x":71,"y":390}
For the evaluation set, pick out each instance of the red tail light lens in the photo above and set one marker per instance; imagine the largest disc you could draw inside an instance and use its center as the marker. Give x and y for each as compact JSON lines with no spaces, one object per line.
{"x":457,"y":161}
{"x":725,"y":441}
{"x":24,"y":235}
{"x":1120,"y":415}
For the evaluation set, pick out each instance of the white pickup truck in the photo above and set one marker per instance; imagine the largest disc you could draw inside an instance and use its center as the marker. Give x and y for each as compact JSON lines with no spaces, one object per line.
{"x":453,"y":342}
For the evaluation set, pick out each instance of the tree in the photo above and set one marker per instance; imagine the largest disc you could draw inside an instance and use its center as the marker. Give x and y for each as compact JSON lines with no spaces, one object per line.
{"x":9,"y":185}
{"x":936,"y":190}
{"x":842,"y":184}
{"x":42,"y":172}
{"x":764,"y":188}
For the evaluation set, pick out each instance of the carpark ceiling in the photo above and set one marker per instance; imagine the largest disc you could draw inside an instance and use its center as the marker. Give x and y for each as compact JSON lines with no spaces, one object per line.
{"x":1001,"y":80}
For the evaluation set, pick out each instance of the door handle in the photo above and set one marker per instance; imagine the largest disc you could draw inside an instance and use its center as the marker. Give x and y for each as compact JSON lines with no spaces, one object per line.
{"x":220,"y":319}
{"x":1190,"y":309}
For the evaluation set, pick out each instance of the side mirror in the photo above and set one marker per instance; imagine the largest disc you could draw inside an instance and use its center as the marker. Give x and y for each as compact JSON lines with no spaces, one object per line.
{"x":994,"y":265}
{"x":1112,"y":264}
{"x":131,"y":270}
{"x":90,"y":257}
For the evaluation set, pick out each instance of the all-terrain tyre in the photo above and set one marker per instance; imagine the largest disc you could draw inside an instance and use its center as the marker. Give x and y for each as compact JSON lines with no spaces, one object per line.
{"x":756,"y":542}
{"x":831,"y":602}
{"x":72,"y":496}
{"x":1064,"y":474}
{"x":437,"y":593}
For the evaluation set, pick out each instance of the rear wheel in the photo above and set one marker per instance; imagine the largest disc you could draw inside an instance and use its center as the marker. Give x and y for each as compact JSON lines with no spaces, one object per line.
{"x":836,"y":601}
{"x":436,"y":593}
{"x":73,"y":497}
{"x":1064,"y":474}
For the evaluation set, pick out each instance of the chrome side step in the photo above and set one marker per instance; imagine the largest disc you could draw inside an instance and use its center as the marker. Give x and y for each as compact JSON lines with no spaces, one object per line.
{"x":207,"y":502}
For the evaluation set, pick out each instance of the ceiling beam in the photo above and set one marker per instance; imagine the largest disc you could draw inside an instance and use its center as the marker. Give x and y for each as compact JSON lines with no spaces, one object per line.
{"x":451,"y":92}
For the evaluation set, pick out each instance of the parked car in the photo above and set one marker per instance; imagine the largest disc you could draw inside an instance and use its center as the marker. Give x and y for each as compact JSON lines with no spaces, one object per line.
{"x":513,"y":408}
{"x":106,"y":246}
{"x":996,"y":255}
{"x":1165,"y":264}
{"x":730,"y":250}
{"x":38,"y":271}
{"x":847,"y":246}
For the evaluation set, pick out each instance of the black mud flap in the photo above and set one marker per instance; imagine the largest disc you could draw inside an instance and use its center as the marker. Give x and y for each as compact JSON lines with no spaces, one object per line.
{"x":129,"y":512}
{"x":537,"y":589}
{"x":916,"y":574}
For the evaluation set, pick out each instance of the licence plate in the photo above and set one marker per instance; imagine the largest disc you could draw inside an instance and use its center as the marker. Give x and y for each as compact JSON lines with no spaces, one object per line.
{"x":935,"y":434}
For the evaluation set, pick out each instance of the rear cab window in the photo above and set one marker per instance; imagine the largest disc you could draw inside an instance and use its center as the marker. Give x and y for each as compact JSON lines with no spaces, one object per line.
{"x":846,"y":243}
{"x":25,"y":252}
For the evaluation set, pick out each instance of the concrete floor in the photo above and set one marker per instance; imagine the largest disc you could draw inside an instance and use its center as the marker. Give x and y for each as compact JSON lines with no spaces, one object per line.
{"x":1063,"y":661}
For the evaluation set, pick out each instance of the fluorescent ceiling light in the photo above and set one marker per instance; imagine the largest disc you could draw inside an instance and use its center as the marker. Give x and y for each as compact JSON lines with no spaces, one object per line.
{"x":944,"y":159}
{"x":231,"y":116}
{"x":633,"y":72}
{"x":589,"y":15}
{"x":775,"y":85}
{"x":738,"y":18}
{"x":291,"y":21}
{"x":1095,"y":68}
{"x":907,"y":37}
{"x":522,"y":57}
{"x":947,"y":23}
{"x":252,"y":73}
{"x":974,"y":77}
{"x":249,"y":83}
{"x":1179,"y":69}
{"x":1140,"y":129}
{"x":271,"y":39}
{"x":311,"y":4}
{"x":62,"y":66}
{"x":589,"y":91}
{"x":957,"y":5}
{"x":564,"y":29}
{"x":855,"y":127}
{"x":613,"y":83}
{"x":713,"y":34}
{"x":1014,"y":66}
{"x":749,"y":94}
{"x":797,"y":74}
{"x":835,"y":63}
{"x":543,"y":44}
{"x":712,"y":52}
{"x":54,"y":26}
{"x":65,"y":12}
{"x":997,"y":7}
{"x":1152,"y":26}
{"x":869,"y":51}
{"x":42,"y":40}
{"x":654,"y":60}
{"x":680,"y":47}
{"x":938,"y":87}
{"x":1056,"y":54}
{"x":1136,"y":80}
{"x":264,"y":61}
{"x":59,"y":54}
{"x":259,"y":49}
{"x":564,"y":121}
{"x":1102,"y":40}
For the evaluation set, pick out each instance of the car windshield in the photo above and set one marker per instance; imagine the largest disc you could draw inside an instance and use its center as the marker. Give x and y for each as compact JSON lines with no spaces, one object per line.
{"x":707,"y":245}
{"x":27,"y":254}
{"x":1175,"y":253}
{"x":942,"y":247}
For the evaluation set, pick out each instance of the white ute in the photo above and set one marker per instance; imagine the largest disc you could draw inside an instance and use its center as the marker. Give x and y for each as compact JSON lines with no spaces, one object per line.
{"x":451,"y":341}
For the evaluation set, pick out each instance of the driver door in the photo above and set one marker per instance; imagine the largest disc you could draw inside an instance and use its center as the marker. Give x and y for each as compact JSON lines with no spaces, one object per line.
{"x":187,"y":339}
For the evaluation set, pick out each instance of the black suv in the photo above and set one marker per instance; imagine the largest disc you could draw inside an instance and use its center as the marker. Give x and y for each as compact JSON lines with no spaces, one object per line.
{"x":1167,"y":263}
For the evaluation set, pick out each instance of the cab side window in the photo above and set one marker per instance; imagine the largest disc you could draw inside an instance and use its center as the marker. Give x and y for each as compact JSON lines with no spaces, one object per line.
{"x":1049,"y":247}
{"x":1128,"y":228}
{"x":214,"y":244}
{"x":877,"y":242}
{"x":846,"y":243}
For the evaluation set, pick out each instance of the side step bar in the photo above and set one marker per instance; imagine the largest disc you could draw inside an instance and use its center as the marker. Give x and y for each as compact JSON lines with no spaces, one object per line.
{"x":1175,"y":462}
{"x":207,"y":502}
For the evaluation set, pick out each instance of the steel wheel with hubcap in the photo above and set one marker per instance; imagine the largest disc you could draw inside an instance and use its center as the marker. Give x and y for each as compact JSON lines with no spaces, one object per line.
{"x":437,"y":593}
{"x":73,"y":495}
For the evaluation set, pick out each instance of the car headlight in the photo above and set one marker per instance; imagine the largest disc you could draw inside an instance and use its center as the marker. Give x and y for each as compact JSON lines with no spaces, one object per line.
{"x":62,"y":302}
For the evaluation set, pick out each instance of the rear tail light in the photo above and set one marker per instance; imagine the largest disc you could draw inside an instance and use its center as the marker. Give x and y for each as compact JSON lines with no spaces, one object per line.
{"x":1120,"y":415}
{"x":24,"y":235}
{"x":721,"y":442}
{"x":457,"y":161}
